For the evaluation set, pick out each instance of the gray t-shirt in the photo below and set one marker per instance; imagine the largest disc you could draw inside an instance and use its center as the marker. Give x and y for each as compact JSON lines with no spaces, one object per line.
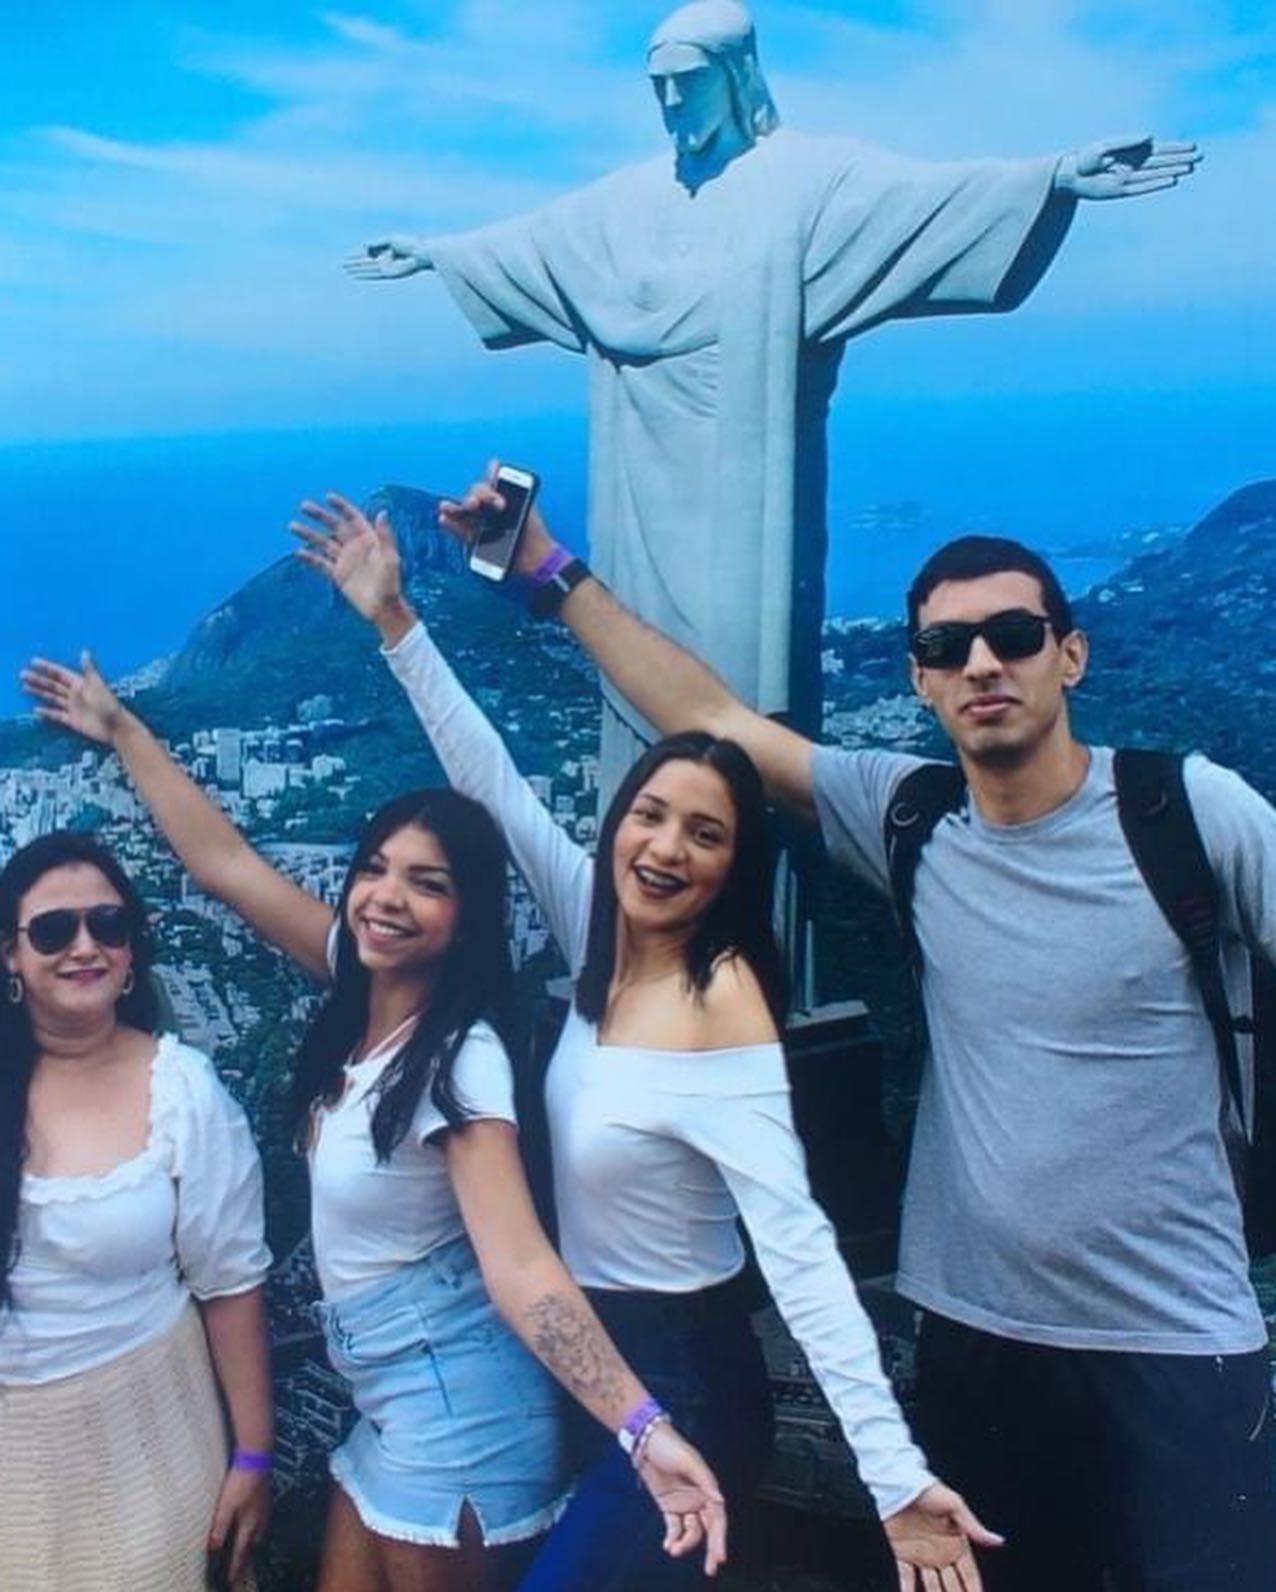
{"x":1069,"y":1183}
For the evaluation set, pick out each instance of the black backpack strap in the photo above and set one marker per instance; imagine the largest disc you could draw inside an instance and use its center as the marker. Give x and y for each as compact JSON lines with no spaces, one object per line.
{"x":1161,"y":832}
{"x":919,"y":801}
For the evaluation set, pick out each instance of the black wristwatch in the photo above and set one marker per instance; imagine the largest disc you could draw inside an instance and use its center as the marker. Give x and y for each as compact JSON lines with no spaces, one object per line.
{"x":549,"y":598}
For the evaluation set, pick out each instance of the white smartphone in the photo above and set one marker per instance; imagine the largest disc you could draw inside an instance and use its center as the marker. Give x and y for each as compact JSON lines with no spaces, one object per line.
{"x":493,"y":548}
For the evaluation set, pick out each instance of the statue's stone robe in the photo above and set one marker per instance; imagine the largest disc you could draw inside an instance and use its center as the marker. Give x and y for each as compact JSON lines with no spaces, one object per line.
{"x":714,"y":325}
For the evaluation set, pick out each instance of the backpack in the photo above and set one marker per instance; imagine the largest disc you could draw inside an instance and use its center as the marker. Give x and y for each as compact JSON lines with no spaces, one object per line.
{"x":1161,"y":832}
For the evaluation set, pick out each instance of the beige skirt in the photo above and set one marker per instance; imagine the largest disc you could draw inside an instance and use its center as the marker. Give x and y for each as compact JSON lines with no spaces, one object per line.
{"x":108,"y":1479}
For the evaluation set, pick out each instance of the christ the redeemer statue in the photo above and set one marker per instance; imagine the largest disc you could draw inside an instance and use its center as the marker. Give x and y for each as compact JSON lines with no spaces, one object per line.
{"x":713,"y":299}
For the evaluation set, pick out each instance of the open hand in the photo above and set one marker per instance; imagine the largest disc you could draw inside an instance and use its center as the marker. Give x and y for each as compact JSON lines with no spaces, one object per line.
{"x":387,"y":259}
{"x":239,"y":1518}
{"x":78,"y":700}
{"x":360,"y":557}
{"x":687,"y":1494}
{"x":930,"y":1539}
{"x":1123,"y":168}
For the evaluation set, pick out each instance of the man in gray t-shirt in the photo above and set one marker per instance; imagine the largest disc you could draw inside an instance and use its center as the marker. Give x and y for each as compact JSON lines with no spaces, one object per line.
{"x":1092,"y":1365}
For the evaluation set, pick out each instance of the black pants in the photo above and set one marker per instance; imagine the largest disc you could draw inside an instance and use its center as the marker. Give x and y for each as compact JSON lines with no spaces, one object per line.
{"x":698,"y":1356}
{"x":1130,"y":1472}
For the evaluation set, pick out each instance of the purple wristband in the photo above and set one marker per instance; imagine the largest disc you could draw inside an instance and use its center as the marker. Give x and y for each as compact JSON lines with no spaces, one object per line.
{"x":557,"y":558}
{"x":249,"y":1459}
{"x":636,"y":1423}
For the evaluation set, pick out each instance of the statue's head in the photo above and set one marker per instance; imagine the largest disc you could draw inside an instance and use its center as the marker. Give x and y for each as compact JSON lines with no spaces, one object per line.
{"x":703,"y":62}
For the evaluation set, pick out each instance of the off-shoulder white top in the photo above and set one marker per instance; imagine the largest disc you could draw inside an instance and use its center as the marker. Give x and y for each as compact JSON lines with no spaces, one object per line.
{"x":656,"y":1152}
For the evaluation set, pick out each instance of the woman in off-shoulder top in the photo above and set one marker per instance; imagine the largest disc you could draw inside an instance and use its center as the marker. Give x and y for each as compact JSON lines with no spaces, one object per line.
{"x":669,"y":1108}
{"x":131,"y":1234}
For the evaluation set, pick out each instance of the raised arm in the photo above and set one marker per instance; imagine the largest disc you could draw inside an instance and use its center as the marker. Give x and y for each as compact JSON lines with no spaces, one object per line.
{"x":215,"y":854}
{"x":670,"y":687}
{"x":362,"y":561}
{"x":531,"y":1288}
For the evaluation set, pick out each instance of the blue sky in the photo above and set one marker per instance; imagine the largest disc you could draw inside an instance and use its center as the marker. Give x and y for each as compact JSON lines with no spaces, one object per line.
{"x":178,"y":185}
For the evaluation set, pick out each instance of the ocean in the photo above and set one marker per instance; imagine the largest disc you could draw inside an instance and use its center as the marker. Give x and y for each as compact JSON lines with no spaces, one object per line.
{"x":123,"y":545}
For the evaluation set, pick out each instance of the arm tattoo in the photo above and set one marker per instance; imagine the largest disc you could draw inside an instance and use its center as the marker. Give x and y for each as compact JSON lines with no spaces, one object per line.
{"x":570,"y":1341}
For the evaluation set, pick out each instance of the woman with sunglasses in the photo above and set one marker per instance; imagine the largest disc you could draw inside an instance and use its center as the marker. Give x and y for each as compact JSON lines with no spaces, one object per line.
{"x":132,"y":1257}
{"x":425,"y":1235}
{"x":669,"y":1108}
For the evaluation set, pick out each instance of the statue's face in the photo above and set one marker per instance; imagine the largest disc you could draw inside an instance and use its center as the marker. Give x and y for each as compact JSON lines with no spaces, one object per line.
{"x":694,"y":94}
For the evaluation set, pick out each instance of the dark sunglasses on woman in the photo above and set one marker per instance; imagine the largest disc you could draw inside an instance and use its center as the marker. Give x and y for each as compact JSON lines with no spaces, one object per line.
{"x":1010,"y":635}
{"x":49,"y":932}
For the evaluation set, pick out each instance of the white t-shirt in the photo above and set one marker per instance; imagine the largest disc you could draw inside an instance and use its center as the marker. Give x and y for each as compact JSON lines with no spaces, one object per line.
{"x":107,"y":1263}
{"x":657,"y":1152}
{"x":370,"y":1218}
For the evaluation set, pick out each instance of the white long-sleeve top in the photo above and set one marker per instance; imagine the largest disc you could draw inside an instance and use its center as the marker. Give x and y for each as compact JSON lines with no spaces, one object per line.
{"x":108,"y":1262}
{"x":656,"y":1152}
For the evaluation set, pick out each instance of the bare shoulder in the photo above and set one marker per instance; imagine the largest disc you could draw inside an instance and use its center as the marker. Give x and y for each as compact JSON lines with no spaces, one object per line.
{"x":734,"y":1008}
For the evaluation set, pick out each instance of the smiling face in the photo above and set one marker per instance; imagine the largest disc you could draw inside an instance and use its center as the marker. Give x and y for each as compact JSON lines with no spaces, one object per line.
{"x":694,"y":95}
{"x":994,"y":710}
{"x":403,"y":907}
{"x":674,"y":847}
{"x":79,"y":984}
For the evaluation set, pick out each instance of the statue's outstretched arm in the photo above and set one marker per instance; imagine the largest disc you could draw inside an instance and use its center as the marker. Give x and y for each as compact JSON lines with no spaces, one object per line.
{"x":387,"y":259}
{"x":1121,"y":168}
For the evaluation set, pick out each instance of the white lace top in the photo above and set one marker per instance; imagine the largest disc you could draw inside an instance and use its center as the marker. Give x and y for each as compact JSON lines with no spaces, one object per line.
{"x":107,"y":1262}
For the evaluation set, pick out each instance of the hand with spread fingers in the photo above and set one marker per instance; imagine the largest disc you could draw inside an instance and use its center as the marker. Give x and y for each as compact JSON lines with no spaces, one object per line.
{"x":686,"y":1492}
{"x":75,"y":699}
{"x":931,"y":1540}
{"x":359,"y":556}
{"x":1125,"y":167}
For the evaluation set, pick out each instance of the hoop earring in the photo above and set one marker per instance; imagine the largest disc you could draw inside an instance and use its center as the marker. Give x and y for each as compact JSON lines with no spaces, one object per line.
{"x":16,"y":989}
{"x":129,"y":984}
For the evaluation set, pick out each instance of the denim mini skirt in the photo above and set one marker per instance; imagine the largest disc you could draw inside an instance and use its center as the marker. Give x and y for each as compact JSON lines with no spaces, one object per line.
{"x":453,"y":1410}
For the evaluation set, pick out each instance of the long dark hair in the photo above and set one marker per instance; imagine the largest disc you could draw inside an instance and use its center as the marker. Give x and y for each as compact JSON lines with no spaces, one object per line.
{"x":138,"y":1009}
{"x":475,"y":980}
{"x":738,"y":921}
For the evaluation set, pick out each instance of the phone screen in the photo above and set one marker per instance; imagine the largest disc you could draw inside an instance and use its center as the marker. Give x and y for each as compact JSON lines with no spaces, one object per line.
{"x":493,"y":549}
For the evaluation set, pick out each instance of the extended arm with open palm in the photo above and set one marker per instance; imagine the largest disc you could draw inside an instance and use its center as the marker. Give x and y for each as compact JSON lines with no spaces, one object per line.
{"x":217,"y":856}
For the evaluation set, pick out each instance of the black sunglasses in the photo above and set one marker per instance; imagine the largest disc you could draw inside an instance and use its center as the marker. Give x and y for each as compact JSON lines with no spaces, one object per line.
{"x":50,"y":932}
{"x":1014,"y":633}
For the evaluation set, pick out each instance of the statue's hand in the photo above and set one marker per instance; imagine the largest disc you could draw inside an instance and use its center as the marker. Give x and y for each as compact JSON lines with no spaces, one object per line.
{"x":387,"y":259}
{"x":1121,"y":168}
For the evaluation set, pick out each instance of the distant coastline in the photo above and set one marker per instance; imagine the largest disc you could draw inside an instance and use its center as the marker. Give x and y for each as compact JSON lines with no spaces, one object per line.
{"x":124,"y":544}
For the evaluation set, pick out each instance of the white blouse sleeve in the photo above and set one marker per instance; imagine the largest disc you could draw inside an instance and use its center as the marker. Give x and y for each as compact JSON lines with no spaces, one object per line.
{"x":742,"y":1119}
{"x":220,"y":1231}
{"x":482,"y":1081}
{"x":476,"y":761}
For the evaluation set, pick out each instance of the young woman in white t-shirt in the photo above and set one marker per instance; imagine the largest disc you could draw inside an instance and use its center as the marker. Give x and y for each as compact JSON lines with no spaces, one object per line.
{"x":425,"y":1234}
{"x":668,"y":1106}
